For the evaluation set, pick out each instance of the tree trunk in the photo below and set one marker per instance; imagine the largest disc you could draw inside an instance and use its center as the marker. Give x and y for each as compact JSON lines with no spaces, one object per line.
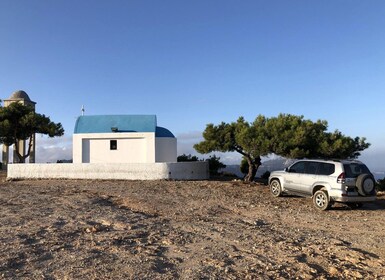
{"x":17,"y":152}
{"x":21,"y":158}
{"x":252,"y":171}
{"x":254,"y":164}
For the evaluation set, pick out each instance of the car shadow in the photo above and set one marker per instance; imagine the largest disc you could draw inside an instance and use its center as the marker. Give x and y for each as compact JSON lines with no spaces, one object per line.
{"x":377,"y":205}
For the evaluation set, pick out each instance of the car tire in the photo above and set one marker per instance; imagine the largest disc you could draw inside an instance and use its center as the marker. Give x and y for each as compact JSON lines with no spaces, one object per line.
{"x":275,"y":188}
{"x":365,"y":184}
{"x":321,"y":200}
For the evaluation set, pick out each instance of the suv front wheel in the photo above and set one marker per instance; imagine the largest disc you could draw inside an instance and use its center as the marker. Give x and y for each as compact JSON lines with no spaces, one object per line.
{"x":275,"y":188}
{"x":321,"y":200}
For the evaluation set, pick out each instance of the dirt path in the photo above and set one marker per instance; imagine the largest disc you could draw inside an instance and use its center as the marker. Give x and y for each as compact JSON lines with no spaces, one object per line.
{"x":68,"y":229}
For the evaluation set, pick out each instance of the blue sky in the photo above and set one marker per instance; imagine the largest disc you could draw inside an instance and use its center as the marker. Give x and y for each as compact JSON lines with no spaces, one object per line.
{"x":198,"y":62}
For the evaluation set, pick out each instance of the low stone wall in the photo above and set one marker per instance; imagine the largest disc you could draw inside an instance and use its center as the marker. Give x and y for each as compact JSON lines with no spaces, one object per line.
{"x":104,"y":171}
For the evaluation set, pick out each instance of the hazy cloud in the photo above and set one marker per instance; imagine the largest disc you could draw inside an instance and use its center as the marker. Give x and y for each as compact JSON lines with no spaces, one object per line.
{"x":63,"y":141}
{"x":190,"y":136}
{"x":374,"y":159}
{"x":49,"y":149}
{"x":186,"y":142}
{"x":186,"y":147}
{"x":53,"y":149}
{"x":45,"y":154}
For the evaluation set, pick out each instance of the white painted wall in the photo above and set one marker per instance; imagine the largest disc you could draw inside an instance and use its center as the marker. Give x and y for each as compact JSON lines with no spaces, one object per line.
{"x":104,"y":171}
{"x":131,"y":148}
{"x":165,"y":149}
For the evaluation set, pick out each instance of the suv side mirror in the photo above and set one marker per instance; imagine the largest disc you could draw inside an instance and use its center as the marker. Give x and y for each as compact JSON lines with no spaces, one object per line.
{"x":287,"y":169}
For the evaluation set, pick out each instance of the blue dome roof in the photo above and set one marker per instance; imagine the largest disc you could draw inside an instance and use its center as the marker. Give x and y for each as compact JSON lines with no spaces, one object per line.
{"x":120,"y":123}
{"x":163,"y":132}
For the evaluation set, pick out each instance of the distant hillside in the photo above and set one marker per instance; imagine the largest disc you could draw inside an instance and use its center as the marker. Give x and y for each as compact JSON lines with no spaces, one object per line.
{"x":268,"y":165}
{"x":378,"y":174}
{"x":279,"y":164}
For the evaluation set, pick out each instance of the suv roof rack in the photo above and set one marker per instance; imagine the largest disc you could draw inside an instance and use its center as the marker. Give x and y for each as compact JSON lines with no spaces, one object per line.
{"x":323,"y":158}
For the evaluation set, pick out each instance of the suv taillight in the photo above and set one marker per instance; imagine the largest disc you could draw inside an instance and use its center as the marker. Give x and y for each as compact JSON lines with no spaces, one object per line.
{"x":341,"y":178}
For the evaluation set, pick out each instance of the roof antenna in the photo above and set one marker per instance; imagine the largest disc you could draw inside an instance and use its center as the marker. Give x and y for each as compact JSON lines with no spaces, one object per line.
{"x":82,"y":110}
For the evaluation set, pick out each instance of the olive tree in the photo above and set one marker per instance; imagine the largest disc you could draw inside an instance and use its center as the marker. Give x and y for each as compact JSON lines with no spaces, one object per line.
{"x":239,"y":136}
{"x":285,"y":135}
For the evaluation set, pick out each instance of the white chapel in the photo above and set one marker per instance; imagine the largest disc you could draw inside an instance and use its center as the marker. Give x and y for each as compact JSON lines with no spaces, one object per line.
{"x":122,"y":139}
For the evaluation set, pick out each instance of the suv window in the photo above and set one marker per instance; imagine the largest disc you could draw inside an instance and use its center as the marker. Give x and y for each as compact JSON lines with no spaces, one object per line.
{"x":311,"y":167}
{"x":299,"y":167}
{"x":307,"y":167}
{"x":353,"y":170}
{"x":326,"y":168}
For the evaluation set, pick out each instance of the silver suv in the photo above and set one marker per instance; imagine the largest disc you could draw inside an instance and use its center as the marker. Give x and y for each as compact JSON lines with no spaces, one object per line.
{"x":326,"y":181}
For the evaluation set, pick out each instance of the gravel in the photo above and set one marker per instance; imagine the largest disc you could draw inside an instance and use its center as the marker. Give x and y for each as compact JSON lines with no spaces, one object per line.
{"x":84,"y":229}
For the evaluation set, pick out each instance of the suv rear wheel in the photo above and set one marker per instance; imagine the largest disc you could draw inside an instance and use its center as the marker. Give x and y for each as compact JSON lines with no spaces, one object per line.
{"x":321,"y":200}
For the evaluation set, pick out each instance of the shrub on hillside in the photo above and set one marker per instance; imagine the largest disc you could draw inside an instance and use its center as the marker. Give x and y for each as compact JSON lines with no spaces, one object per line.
{"x":215,"y":164}
{"x":189,"y":157}
{"x":380,"y":185}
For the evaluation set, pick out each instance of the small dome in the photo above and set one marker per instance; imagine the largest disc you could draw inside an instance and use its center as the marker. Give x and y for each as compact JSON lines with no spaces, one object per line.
{"x":20,"y":94}
{"x":163,"y":132}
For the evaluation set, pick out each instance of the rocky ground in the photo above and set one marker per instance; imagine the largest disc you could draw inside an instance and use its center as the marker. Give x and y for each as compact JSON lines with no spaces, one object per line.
{"x":80,"y":229}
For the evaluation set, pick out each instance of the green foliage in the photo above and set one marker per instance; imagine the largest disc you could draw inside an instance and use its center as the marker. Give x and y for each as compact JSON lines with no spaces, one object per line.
{"x":285,"y":135}
{"x":293,"y":137}
{"x":218,"y":138}
{"x":336,"y":145}
{"x":380,"y":185}
{"x":239,"y":136}
{"x":20,"y":122}
{"x":189,"y":157}
{"x":244,"y":166}
{"x":215,"y":164}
